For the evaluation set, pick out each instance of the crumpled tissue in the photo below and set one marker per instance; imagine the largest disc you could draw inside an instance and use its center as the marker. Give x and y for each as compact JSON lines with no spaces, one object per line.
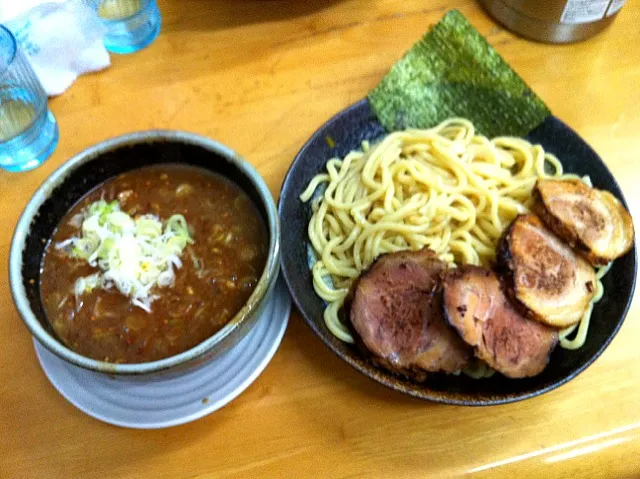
{"x":62,"y":40}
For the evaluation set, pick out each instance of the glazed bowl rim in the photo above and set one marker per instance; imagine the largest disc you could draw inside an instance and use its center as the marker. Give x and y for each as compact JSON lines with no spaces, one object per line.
{"x":93,"y":153}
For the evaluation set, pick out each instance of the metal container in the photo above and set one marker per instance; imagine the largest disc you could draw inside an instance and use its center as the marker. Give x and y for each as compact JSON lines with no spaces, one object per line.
{"x":554,"y":21}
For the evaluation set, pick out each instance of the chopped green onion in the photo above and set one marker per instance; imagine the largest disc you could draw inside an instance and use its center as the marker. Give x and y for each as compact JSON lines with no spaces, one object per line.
{"x":134,"y":254}
{"x":87,"y":284}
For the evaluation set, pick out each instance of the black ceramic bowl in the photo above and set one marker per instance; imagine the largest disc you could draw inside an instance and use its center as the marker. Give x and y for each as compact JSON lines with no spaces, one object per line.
{"x":81,"y":174}
{"x":347,"y":130}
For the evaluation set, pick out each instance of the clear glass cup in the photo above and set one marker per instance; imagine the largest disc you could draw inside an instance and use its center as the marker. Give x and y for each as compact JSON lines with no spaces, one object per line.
{"x":28,"y":130}
{"x":131,"y":24}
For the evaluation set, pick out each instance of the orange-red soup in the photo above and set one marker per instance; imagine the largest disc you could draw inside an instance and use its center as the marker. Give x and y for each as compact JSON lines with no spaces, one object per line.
{"x":219,"y":270}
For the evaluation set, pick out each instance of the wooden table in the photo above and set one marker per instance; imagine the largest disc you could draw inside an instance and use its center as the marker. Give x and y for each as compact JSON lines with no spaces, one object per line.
{"x":261,"y":76}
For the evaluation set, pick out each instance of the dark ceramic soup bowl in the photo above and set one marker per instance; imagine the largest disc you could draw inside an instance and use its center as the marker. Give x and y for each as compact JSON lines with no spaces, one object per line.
{"x":69,"y":183}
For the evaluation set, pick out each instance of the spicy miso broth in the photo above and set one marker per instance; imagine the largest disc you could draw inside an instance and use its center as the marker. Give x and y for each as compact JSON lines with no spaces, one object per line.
{"x":151,"y":263}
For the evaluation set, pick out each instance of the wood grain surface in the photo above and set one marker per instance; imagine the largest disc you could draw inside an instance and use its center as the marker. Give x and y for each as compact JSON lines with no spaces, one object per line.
{"x":261,"y":77}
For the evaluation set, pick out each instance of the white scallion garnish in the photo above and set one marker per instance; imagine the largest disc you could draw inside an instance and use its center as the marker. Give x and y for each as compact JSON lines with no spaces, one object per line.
{"x":133,"y":254}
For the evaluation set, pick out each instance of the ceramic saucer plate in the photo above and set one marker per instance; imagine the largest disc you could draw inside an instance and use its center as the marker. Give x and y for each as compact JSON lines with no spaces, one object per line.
{"x":165,"y":402}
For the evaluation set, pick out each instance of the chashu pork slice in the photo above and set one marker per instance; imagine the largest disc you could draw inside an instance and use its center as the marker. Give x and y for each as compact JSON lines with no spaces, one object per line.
{"x":397,"y":313}
{"x":544,"y":274}
{"x":475,"y":304}
{"x":592,"y":221}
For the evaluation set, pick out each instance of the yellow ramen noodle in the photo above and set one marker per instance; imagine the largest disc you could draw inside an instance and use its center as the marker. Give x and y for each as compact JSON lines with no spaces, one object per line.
{"x":446,"y":188}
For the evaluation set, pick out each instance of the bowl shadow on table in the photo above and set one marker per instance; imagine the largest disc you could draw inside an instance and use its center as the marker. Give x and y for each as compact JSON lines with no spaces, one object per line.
{"x":227,"y":14}
{"x":388,"y":419}
{"x":326,"y":364}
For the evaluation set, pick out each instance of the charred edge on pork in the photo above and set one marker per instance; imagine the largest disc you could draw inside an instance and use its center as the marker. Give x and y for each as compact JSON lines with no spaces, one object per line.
{"x":543,"y":276}
{"x":592,"y":221}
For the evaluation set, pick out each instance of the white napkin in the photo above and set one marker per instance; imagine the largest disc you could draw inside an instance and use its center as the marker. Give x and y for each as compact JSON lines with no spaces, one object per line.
{"x":62,"y":39}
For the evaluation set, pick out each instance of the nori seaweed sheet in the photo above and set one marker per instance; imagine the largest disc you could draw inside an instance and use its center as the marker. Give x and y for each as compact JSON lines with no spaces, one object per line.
{"x":453,"y":71}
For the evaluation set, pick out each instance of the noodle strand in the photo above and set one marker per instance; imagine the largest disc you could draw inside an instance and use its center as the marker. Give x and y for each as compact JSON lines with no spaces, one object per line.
{"x":446,"y":188}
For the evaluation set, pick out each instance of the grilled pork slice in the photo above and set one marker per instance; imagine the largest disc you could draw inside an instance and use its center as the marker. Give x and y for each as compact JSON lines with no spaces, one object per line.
{"x":397,"y":313}
{"x":474,"y":303}
{"x":592,"y":221}
{"x":543,"y":274}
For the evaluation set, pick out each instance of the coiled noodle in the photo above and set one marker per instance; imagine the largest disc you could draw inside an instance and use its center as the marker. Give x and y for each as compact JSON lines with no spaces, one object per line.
{"x":447,"y":188}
